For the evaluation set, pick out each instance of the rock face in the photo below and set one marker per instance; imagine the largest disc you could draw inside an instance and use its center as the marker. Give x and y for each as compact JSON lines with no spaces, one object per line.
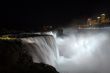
{"x":15,"y":59}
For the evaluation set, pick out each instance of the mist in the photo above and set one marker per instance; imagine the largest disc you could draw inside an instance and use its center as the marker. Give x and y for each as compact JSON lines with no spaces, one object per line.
{"x":84,"y":51}
{"x":76,"y":51}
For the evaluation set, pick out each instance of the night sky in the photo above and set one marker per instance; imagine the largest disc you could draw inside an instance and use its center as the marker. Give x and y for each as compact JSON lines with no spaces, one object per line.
{"x":24,"y":15}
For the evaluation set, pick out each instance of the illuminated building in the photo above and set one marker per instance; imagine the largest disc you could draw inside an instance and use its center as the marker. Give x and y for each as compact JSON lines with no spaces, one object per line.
{"x":98,"y":20}
{"x":103,"y":18}
{"x":89,"y":21}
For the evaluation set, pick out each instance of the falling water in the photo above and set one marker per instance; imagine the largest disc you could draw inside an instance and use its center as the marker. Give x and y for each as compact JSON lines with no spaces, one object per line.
{"x":42,"y":48}
{"x":78,"y":51}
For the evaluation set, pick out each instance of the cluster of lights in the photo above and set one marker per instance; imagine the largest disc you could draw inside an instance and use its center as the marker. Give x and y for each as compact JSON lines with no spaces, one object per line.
{"x":5,"y":37}
{"x":100,"y":20}
{"x":101,"y":16}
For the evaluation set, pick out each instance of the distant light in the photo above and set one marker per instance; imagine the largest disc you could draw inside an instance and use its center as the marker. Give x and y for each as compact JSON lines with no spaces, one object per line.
{"x":98,"y":17}
{"x":103,"y":14}
{"x":90,"y":24}
{"x":5,"y":37}
{"x":89,"y":19}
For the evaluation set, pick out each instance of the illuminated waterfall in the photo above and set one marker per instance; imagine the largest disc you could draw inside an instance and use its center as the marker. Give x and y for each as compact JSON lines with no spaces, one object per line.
{"x":42,"y":48}
{"x":79,"y":51}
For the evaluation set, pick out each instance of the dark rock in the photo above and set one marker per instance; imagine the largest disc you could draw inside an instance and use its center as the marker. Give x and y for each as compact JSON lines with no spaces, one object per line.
{"x":15,"y":59}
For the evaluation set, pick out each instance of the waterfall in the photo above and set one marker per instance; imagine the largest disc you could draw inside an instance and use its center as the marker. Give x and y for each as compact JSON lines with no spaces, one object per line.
{"x":42,"y":48}
{"x":78,"y":51}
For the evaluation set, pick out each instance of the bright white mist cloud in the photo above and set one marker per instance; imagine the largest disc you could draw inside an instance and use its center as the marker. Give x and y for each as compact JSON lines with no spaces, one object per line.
{"x":84,"y":51}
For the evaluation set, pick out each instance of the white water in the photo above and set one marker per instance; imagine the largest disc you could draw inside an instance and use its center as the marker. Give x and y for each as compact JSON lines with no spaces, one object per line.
{"x":79,"y":51}
{"x":42,"y":48}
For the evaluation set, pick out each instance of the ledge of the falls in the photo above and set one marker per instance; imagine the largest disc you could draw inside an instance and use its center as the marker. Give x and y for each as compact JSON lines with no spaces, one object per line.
{"x":15,"y":59}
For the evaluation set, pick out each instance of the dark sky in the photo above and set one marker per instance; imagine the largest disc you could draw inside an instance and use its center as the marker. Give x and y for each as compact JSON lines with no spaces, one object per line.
{"x":29,"y":15}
